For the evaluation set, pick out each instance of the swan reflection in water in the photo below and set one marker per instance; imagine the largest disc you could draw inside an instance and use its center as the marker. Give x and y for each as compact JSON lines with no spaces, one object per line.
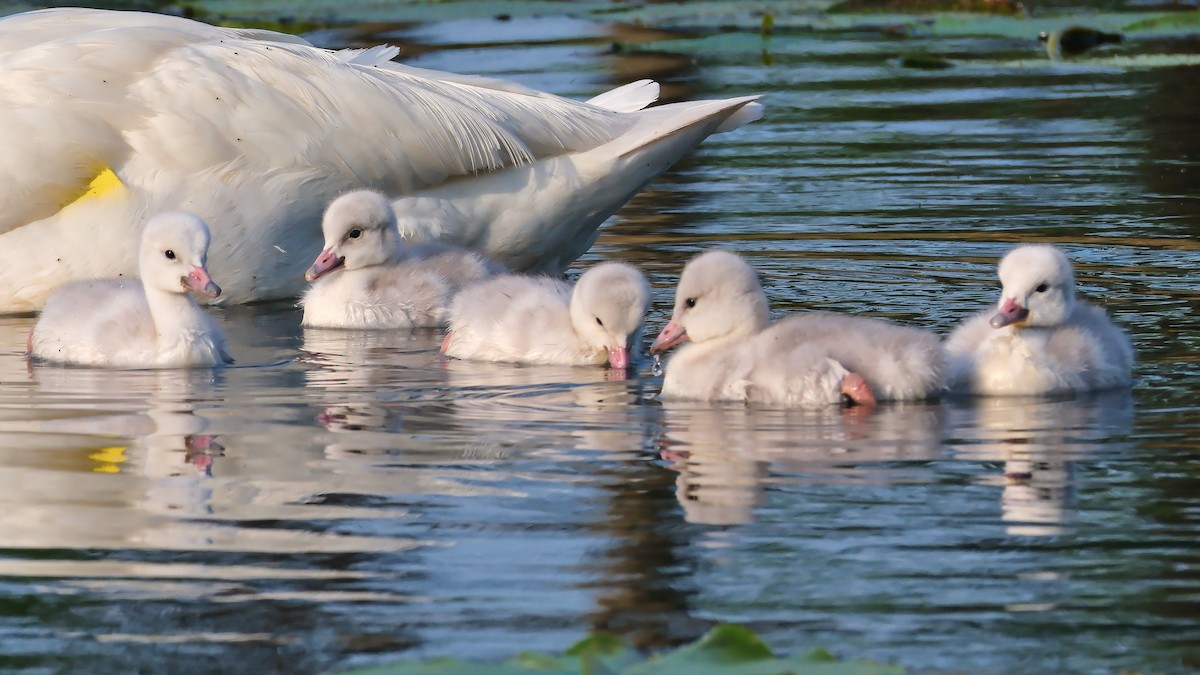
{"x":553,"y":408}
{"x":365,"y":383}
{"x":121,"y":457}
{"x":725,"y":454}
{"x":389,"y":393}
{"x":166,"y":440}
{"x":1038,"y":441}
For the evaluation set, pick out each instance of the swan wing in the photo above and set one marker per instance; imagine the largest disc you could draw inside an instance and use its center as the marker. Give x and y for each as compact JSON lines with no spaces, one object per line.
{"x":86,"y":91}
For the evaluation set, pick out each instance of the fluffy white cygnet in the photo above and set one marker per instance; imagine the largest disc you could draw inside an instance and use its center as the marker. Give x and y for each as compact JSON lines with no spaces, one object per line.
{"x":366,"y":278}
{"x":804,"y":361}
{"x":151,"y":323}
{"x":542,"y":320}
{"x":1040,"y":340}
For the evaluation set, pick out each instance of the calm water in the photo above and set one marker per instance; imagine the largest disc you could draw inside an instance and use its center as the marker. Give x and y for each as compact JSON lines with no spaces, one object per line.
{"x":341,"y":499}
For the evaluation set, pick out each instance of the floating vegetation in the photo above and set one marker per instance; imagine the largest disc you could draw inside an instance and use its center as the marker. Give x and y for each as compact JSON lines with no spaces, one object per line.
{"x":904,"y":18}
{"x":925,"y":62}
{"x":768,"y":23}
{"x":1178,"y":21}
{"x":926,"y":6}
{"x":725,"y":650}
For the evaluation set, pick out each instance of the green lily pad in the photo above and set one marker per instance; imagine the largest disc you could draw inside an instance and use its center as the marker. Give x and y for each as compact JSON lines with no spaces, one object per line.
{"x":926,"y":6}
{"x":1173,"y":22}
{"x":725,"y":650}
{"x":1106,"y":63}
{"x":603,"y":653}
{"x":991,"y":18}
{"x":733,"y":650}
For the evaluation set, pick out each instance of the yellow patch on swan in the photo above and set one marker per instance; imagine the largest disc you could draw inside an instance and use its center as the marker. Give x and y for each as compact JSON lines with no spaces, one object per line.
{"x":106,"y":183}
{"x":110,"y":459}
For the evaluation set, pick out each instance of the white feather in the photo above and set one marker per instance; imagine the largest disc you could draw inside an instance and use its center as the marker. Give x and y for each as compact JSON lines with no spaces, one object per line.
{"x":372,"y":56}
{"x":628,"y":98}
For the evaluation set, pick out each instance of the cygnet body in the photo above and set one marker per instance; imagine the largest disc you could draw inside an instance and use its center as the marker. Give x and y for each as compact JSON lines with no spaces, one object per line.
{"x":367,"y":278}
{"x":151,"y":323}
{"x":811,"y":361}
{"x":1040,"y":340}
{"x":540,"y":320}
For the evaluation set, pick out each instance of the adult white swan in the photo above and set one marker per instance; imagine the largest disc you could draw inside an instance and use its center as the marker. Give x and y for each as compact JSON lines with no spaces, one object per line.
{"x":108,"y":117}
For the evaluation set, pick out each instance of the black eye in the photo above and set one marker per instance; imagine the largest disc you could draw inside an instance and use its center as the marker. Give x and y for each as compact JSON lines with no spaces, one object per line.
{"x":599,"y":322}
{"x":170,"y":254}
{"x":355,"y":233}
{"x":690,"y":302}
{"x":1042,"y":289}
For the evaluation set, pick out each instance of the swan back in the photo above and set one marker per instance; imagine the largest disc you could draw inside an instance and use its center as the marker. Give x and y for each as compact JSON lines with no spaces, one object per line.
{"x":797,"y":376}
{"x":457,"y":265}
{"x":518,"y":319}
{"x":608,"y":310}
{"x":899,"y":363}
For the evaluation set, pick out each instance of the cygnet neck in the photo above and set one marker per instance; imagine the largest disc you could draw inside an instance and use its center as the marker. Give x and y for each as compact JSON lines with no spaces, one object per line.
{"x":175,"y":315}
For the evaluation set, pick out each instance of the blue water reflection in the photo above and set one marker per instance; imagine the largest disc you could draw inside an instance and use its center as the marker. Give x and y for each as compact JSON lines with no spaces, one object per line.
{"x":344,"y":498}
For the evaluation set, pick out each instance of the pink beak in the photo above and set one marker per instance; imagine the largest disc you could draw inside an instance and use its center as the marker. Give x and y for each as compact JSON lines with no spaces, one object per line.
{"x":324,"y":264}
{"x":670,"y":336}
{"x":1010,"y":312}
{"x":857,"y":390}
{"x":618,"y":357}
{"x":198,"y":280}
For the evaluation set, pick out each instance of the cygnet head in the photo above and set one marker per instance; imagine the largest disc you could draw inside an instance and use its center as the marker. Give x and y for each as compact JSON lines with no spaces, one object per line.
{"x":718,"y":297}
{"x":1038,"y":287}
{"x":174,"y":255}
{"x":608,"y":310}
{"x":360,"y":231}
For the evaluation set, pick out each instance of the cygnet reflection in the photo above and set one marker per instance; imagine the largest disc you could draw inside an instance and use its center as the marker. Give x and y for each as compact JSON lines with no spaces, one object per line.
{"x":1038,"y":441}
{"x":168,"y":442}
{"x":365,"y":361}
{"x":122,"y":455}
{"x":361,"y":383}
{"x":552,"y":408}
{"x":395,"y":411}
{"x":724,"y":454}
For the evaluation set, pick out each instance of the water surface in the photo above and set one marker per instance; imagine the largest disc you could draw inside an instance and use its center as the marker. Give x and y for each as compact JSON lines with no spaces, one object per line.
{"x":341,"y":499}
